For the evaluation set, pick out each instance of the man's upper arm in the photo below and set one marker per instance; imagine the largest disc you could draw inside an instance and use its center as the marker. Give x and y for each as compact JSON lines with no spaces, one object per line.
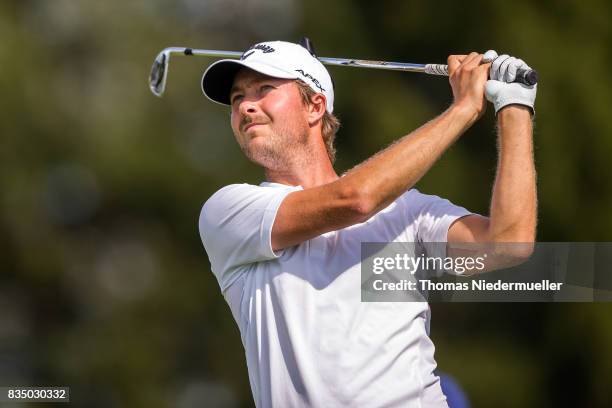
{"x":306,"y":214}
{"x":476,"y":229}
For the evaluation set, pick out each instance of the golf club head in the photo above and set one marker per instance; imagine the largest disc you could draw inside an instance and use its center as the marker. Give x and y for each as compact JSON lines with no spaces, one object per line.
{"x":159,"y":73}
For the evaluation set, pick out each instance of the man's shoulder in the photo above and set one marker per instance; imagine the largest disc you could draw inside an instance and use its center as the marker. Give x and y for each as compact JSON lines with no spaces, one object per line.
{"x":222,"y":206}
{"x":223,"y":197}
{"x":237,"y":188}
{"x":240,"y":191}
{"x":234,"y":197}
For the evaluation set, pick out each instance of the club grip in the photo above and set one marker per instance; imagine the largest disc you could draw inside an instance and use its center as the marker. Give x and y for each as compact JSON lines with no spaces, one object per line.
{"x":527,"y":76}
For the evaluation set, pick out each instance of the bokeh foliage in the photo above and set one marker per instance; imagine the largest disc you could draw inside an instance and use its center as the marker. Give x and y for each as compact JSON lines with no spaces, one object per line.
{"x":105,"y":286}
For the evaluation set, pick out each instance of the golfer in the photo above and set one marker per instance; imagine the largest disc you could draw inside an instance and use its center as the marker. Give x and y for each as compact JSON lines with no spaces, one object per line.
{"x":286,"y":252}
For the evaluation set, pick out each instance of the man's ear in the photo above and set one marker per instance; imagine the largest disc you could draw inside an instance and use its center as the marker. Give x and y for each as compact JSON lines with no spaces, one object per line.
{"x":316,"y":108}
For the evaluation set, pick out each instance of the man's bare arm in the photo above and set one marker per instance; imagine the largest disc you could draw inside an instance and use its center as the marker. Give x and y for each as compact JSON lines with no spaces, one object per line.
{"x":377,"y":182}
{"x":513,"y":213}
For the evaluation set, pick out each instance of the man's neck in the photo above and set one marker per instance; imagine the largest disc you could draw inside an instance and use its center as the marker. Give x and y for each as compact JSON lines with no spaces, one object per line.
{"x":307,"y":178}
{"x":315,"y":169}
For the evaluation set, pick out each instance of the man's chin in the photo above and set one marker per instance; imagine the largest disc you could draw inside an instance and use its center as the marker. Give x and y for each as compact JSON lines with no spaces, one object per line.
{"x":256,"y":141}
{"x":261,"y":154}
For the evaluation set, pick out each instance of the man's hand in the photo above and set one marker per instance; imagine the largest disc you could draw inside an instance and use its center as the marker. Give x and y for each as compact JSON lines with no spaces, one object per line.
{"x":467,"y":78}
{"x":500,"y":90}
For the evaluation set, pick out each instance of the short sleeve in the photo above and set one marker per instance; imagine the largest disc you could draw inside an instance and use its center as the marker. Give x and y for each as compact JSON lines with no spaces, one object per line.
{"x":236,"y":227}
{"x":435,"y":216}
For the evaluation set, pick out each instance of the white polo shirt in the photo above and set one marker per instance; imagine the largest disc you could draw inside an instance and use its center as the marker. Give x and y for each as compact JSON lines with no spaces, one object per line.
{"x":308,"y":338}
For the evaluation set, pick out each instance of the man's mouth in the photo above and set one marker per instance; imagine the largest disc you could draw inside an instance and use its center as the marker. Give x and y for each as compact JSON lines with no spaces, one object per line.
{"x":250,"y":125}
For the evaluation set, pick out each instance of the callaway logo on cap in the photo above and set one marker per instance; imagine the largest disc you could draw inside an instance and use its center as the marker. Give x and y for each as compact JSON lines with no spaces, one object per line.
{"x":278,"y":59}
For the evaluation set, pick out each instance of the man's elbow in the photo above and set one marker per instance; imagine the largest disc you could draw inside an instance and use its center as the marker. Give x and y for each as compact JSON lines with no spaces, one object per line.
{"x":522,"y":251}
{"x":359,"y":206}
{"x":517,"y":246}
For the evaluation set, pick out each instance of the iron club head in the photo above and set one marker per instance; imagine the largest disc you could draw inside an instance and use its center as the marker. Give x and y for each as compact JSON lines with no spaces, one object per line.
{"x":159,"y":73}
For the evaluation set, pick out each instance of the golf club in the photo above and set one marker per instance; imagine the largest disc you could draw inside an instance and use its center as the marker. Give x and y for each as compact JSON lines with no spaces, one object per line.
{"x":159,"y":70}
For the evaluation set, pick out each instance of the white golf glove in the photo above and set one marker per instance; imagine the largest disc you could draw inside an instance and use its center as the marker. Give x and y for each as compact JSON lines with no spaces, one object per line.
{"x":500,"y":90}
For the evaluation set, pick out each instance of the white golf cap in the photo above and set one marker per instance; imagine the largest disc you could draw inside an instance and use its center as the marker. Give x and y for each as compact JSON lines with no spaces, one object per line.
{"x":278,"y":59}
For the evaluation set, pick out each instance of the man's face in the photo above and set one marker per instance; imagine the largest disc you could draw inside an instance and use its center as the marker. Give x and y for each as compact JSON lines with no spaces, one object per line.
{"x":269,"y":119}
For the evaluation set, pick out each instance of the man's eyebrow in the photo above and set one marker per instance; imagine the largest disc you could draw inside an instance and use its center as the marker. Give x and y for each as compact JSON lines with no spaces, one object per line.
{"x":234,"y":88}
{"x":237,"y":88}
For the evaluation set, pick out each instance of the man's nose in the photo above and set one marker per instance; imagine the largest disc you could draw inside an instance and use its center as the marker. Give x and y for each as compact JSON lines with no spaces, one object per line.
{"x":248,"y":106}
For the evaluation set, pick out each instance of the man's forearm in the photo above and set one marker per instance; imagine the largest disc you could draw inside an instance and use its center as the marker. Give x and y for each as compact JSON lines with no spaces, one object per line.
{"x":513,"y":215}
{"x":388,"y":174}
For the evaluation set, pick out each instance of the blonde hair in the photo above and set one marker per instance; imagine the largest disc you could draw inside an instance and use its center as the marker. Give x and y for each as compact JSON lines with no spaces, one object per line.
{"x":329,"y":122}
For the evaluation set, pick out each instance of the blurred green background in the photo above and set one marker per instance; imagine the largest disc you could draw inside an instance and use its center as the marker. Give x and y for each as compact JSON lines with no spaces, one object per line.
{"x":105,"y":286}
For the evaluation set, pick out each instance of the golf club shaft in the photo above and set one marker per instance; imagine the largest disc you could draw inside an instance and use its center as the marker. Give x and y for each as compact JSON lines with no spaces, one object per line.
{"x":432,"y":69}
